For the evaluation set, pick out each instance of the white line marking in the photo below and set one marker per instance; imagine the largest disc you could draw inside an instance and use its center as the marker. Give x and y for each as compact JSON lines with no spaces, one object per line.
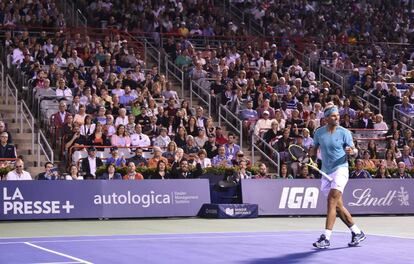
{"x":68,"y":262}
{"x":58,"y":253}
{"x":194,"y":236}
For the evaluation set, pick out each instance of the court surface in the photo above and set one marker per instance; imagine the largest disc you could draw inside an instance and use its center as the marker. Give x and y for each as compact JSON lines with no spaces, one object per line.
{"x":262,"y":240}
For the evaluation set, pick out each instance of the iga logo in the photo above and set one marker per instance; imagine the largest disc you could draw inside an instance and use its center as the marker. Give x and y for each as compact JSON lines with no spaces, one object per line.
{"x":14,"y":203}
{"x":229,"y":211}
{"x":299,"y":198}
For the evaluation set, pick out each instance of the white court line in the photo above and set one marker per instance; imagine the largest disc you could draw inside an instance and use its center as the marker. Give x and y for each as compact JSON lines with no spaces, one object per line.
{"x":58,"y":253}
{"x":146,"y":238}
{"x":66,"y":262}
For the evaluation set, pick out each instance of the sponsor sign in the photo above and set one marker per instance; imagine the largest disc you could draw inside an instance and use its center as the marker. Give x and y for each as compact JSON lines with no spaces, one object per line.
{"x":98,"y":199}
{"x":303,"y":197}
{"x":229,"y":211}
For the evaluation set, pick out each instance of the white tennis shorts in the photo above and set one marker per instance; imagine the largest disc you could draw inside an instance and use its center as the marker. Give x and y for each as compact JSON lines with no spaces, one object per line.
{"x":339,"y":180}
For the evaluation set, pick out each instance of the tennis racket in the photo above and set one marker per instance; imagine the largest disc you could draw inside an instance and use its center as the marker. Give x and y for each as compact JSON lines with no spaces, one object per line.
{"x":299,"y":154}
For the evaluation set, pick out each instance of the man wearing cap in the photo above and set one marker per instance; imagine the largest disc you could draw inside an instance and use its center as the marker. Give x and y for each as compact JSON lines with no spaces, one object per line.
{"x":263,"y":123}
{"x":335,"y":143}
{"x":91,"y":163}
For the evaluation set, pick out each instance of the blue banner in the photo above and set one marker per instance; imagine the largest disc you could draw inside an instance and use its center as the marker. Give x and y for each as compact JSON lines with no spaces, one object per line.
{"x":303,"y":197}
{"x":101,"y":199}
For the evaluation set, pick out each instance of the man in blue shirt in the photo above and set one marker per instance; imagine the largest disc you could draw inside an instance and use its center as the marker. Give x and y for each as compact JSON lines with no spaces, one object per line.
{"x":335,"y":143}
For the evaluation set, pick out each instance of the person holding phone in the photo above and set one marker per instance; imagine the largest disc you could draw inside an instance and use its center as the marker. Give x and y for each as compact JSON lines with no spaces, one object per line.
{"x":50,"y":173}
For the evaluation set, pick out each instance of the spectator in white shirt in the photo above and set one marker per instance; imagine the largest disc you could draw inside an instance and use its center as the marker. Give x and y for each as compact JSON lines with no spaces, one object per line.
{"x":75,"y":59}
{"x":139,"y":139}
{"x":163,"y":139}
{"x":59,"y":60}
{"x":62,"y":90}
{"x":122,"y":119}
{"x":18,"y":174}
{"x":263,"y":123}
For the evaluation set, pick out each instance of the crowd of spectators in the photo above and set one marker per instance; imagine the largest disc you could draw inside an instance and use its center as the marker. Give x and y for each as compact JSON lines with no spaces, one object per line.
{"x":109,"y":98}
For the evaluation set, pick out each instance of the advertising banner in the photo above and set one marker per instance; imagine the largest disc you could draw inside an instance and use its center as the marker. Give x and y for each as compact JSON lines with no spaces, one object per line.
{"x":101,"y":199}
{"x":223,"y":211}
{"x":303,"y":197}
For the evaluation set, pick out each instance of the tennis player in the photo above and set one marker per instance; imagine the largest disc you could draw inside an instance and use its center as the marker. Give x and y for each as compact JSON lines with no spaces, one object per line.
{"x":335,"y":143}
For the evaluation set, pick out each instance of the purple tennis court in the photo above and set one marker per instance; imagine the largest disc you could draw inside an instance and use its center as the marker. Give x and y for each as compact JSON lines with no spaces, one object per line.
{"x":251,"y":247}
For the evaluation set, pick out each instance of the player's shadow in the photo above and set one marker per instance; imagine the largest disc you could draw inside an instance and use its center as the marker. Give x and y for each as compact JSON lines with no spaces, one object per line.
{"x":300,"y":257}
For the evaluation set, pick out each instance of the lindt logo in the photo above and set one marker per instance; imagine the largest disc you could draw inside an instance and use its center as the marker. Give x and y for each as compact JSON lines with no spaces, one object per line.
{"x":363,"y":197}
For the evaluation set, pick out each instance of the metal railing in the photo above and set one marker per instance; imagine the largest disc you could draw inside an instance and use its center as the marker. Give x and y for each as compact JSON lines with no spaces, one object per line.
{"x":12,"y":91}
{"x":3,"y":80}
{"x":260,"y":145}
{"x":27,"y":116}
{"x":172,"y":71}
{"x":370,"y":99}
{"x":402,"y":118}
{"x":73,"y":15}
{"x":40,"y":147}
{"x":203,"y":95}
{"x":231,"y":120}
{"x":153,"y":52}
{"x":327,"y":74}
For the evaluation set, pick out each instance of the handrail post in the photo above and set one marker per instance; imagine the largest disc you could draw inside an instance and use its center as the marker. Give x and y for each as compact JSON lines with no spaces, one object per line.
{"x":21,"y":118}
{"x":219,"y":116}
{"x":145,"y":53}
{"x":253,"y":148}
{"x":166,"y":67}
{"x":38,"y":149}
{"x":241,"y":134}
{"x":7,"y":90}
{"x":182,"y":83}
{"x":159,"y":61}
{"x":191,"y":94}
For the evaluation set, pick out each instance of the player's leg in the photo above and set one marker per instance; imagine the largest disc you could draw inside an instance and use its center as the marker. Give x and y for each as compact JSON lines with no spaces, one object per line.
{"x":357,"y":235}
{"x":323,"y":241}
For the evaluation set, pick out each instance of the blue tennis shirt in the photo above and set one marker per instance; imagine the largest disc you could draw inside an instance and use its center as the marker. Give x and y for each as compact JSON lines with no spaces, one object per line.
{"x":332,"y":146}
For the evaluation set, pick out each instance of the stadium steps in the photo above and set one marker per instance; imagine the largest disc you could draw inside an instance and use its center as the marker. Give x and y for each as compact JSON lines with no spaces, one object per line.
{"x":22,"y":141}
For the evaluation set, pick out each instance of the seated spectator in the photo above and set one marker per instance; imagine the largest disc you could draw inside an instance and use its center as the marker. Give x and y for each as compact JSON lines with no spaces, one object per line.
{"x":73,"y":173}
{"x":130,"y":127}
{"x":58,"y":119}
{"x":406,"y":157}
{"x":110,"y":173}
{"x":263,"y":123}
{"x":138,"y":159}
{"x":152,"y":162}
{"x":169,"y":93}
{"x":359,"y":172}
{"x":121,"y":138}
{"x":241,"y":174}
{"x":231,"y":147}
{"x":115,"y":159}
{"x":184,"y":172}
{"x":282,"y":145}
{"x":367,"y":162}
{"x":191,"y":127}
{"x":365,"y":121}
{"x":3,"y":129}
{"x":49,"y":173}
{"x":382,"y":172}
{"x":109,"y":127}
{"x":401,"y":172}
{"x":163,"y":139}
{"x":304,"y":173}
{"x":220,"y":138}
{"x":181,"y":137}
{"x":75,"y":139}
{"x":204,"y":161}
{"x":98,"y":138}
{"x":272,"y":133}
{"x":390,"y":160}
{"x":91,"y":163}
{"x":284,"y":172}
{"x":221,"y":159}
{"x":262,"y":172}
{"x":62,"y":90}
{"x":79,"y":118}
{"x":152,"y":129}
{"x":161,"y":172}
{"x":201,"y":138}
{"x":372,"y":149}
{"x":211,"y":146}
{"x":169,"y":153}
{"x":88,"y":128}
{"x":190,"y":147}
{"x":18,"y":174}
{"x":131,"y":173}
{"x":6,"y":150}
{"x":122,"y":119}
{"x":101,"y":117}
{"x":380,"y":125}
{"x":139,"y":139}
